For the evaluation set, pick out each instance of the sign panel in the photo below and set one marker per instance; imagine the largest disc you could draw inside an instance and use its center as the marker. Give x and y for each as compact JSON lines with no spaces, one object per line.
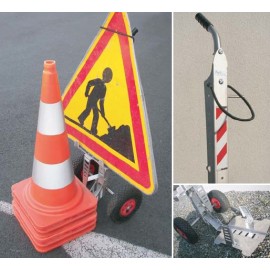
{"x":104,"y":106}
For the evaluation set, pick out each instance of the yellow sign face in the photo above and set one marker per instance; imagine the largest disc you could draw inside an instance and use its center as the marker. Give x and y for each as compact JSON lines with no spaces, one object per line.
{"x":103,"y":107}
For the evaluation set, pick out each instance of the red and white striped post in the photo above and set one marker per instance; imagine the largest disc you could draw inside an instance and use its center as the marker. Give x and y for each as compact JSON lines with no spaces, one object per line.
{"x":216,"y":119}
{"x":216,"y":108}
{"x":219,"y":84}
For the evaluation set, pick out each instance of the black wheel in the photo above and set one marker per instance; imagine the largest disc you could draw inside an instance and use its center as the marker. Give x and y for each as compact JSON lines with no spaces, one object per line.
{"x":184,"y":229}
{"x":124,"y":203}
{"x":219,"y":201}
{"x":78,"y":167}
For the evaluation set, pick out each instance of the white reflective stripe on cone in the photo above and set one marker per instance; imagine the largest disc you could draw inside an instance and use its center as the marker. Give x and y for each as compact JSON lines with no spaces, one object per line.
{"x":51,"y":119}
{"x":52,"y":176}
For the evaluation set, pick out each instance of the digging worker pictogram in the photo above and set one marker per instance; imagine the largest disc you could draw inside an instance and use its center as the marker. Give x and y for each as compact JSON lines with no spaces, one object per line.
{"x":96,"y":96}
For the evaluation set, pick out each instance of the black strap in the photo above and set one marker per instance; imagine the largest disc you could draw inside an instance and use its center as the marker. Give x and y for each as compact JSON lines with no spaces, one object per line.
{"x":230,"y":115}
{"x":117,"y":32}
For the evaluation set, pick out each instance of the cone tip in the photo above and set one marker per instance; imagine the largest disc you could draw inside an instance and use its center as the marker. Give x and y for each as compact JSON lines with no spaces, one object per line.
{"x":50,"y":66}
{"x":50,"y":89}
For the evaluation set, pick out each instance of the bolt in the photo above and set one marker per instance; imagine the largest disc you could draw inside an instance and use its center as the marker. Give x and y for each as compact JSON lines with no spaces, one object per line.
{"x":220,"y":81}
{"x":220,"y":51}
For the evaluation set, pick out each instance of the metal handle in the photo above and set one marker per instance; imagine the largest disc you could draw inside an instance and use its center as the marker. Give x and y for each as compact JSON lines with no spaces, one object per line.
{"x":205,"y":23}
{"x":209,"y":28}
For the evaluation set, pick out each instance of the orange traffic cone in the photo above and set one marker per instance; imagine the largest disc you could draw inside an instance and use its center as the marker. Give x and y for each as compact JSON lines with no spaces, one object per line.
{"x":53,"y":206}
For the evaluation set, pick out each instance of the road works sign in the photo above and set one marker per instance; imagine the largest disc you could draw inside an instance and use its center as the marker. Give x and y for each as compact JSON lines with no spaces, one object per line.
{"x":104,"y":106}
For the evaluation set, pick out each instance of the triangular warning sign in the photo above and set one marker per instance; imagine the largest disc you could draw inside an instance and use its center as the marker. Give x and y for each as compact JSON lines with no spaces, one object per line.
{"x":104,"y":106}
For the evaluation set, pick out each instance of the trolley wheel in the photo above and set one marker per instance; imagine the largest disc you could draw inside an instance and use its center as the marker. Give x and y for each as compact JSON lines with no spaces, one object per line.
{"x":184,"y":229}
{"x":124,"y":203}
{"x":219,"y":201}
{"x":78,"y":167}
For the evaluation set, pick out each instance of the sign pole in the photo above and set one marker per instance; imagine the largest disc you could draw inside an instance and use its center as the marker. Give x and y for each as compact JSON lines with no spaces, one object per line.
{"x":216,"y":107}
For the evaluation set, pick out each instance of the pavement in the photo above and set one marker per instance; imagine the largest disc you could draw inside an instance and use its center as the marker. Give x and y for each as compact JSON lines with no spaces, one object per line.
{"x":27,"y":39}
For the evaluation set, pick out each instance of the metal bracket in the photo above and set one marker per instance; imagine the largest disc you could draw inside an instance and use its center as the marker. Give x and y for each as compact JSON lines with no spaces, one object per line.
{"x":178,"y":192}
{"x":199,"y":200}
{"x":86,"y":168}
{"x":227,"y":235}
{"x":99,"y":185}
{"x":99,"y":179}
{"x":249,"y":221}
{"x":245,"y":239}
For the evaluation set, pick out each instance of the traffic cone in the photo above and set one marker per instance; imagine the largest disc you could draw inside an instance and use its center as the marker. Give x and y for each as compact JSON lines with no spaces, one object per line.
{"x":53,"y":206}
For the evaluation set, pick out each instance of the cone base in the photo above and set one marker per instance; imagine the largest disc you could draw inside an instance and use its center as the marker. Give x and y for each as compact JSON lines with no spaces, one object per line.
{"x":48,"y":229}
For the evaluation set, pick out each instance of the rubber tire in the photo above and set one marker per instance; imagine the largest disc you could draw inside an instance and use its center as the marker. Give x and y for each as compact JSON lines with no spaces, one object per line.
{"x":78,"y":166}
{"x":186,"y":228}
{"x":221,"y":197}
{"x":124,"y":192}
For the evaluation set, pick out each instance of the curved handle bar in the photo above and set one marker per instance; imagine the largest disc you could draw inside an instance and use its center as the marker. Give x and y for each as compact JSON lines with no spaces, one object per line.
{"x":209,"y":28}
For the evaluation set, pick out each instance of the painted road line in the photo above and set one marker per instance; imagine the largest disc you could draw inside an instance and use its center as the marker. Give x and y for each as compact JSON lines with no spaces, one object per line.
{"x":6,"y":208}
{"x":96,"y":245}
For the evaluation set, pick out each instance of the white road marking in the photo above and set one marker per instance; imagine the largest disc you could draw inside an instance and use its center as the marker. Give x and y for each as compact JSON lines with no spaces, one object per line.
{"x":96,"y":245}
{"x":6,"y":208}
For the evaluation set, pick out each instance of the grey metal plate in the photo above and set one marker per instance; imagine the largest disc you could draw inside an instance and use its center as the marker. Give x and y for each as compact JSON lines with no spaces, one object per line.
{"x":210,"y":219}
{"x":203,"y":196}
{"x":245,"y":240}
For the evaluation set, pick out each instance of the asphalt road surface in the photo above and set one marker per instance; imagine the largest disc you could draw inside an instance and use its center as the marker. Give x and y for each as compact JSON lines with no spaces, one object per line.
{"x":27,"y":39}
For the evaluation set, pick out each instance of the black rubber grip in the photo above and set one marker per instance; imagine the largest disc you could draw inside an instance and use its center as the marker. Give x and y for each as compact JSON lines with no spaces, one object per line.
{"x":203,"y":21}
{"x":134,"y":31}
